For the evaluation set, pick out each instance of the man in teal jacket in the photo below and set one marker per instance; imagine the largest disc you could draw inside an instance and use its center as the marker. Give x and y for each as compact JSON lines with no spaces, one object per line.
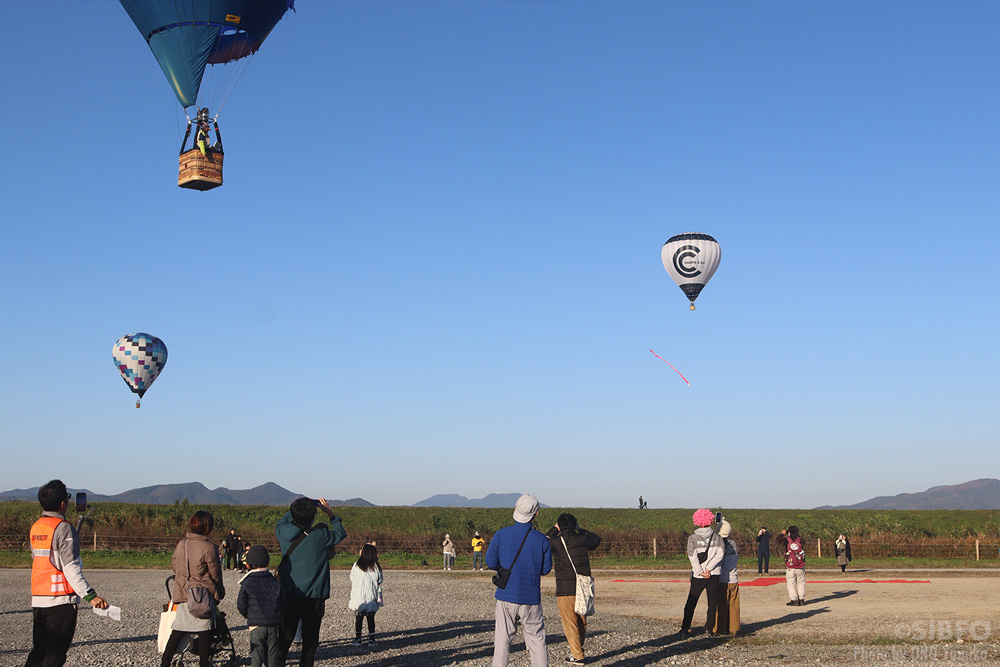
{"x":305,"y":573}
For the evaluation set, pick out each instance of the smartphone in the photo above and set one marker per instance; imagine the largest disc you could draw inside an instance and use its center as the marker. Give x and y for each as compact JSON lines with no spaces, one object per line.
{"x":316,"y":503}
{"x":81,"y":502}
{"x":718,"y":517}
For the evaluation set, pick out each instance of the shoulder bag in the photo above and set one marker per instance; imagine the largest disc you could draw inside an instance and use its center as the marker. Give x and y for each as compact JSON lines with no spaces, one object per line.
{"x":200,"y":602}
{"x":503,"y":574}
{"x":285,"y":565}
{"x":584,"y":605}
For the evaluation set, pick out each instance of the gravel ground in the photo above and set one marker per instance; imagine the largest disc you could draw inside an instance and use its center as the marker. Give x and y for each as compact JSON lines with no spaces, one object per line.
{"x":440,"y":619}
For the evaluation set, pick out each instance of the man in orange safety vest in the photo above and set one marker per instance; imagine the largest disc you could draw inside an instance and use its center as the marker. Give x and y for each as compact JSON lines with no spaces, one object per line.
{"x":57,"y":582}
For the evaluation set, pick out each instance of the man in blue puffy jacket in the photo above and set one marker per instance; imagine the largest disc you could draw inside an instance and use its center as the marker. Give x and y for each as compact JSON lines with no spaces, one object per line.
{"x":525,"y":552}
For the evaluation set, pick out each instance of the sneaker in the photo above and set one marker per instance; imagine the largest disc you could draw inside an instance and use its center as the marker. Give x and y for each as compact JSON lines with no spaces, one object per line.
{"x":371,"y":643}
{"x":575,"y":661}
{"x":357,"y":642}
{"x":792,"y":603}
{"x":684,"y":634}
{"x":802,"y":602}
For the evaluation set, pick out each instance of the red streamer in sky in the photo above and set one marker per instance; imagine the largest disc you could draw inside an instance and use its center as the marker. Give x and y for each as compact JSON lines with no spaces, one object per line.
{"x":672,"y":366}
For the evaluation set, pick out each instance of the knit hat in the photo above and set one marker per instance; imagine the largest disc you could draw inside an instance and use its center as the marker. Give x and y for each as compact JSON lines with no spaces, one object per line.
{"x":725,"y":529}
{"x":257,"y":557}
{"x":703,"y":518}
{"x":526,"y":508}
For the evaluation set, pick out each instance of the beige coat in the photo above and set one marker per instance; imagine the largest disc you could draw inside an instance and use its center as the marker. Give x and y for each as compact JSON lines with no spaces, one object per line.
{"x":206,"y":570}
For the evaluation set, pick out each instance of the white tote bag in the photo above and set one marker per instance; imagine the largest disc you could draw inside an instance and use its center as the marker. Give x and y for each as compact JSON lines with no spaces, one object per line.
{"x":584,"y":605}
{"x":166,"y":625}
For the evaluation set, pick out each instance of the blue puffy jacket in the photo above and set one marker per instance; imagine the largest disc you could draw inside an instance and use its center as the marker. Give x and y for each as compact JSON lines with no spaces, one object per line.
{"x":524,"y":586}
{"x":260,"y":599}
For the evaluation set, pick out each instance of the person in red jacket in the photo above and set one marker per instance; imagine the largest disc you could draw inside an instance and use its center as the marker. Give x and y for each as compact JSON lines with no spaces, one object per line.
{"x":57,"y":581}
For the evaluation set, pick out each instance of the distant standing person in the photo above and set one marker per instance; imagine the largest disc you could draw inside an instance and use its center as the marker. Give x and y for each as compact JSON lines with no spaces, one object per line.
{"x":795,"y":565}
{"x":195,"y":564}
{"x":478,"y":555}
{"x":842,"y":548}
{"x":449,"y":552}
{"x":641,"y":503}
{"x":763,"y":550}
{"x":525,"y":552}
{"x":260,"y":601}
{"x":705,"y":550}
{"x":305,"y":573}
{"x":233,"y":546}
{"x":57,"y":581}
{"x":366,"y":590}
{"x":729,"y":584}
{"x":570,"y":545}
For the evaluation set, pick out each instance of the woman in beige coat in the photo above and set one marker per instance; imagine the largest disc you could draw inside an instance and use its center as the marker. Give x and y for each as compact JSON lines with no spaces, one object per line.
{"x":199,"y":555}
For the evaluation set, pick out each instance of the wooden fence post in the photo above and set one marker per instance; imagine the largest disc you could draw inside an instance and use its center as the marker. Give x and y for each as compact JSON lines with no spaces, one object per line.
{"x":95,"y":541}
{"x":977,"y":549}
{"x":819,"y":548}
{"x":654,"y":547}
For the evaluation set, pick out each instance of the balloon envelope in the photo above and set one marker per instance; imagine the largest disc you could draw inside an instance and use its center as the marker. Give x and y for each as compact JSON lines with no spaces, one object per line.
{"x":139,"y":358}
{"x":187,"y":35}
{"x":691,"y":259}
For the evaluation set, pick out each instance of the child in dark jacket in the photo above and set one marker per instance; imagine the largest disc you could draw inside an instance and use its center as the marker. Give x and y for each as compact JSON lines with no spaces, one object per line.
{"x":260,"y":602}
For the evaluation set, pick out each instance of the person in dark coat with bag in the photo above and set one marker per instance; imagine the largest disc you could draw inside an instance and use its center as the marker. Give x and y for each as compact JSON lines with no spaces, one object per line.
{"x":570,"y":545}
{"x":260,"y":602}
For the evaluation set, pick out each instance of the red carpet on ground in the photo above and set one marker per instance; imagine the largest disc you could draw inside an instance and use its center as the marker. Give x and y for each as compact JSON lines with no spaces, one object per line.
{"x":771,"y":581}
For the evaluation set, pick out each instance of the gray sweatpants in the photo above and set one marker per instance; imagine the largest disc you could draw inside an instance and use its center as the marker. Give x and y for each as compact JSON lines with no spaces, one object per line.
{"x":533,"y":625}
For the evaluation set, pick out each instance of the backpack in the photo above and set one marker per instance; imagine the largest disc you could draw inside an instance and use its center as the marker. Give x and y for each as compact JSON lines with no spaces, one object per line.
{"x":795,"y":554}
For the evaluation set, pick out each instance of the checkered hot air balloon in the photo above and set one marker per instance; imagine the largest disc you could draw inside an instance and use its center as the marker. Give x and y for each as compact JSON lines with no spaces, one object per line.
{"x":139,"y":357}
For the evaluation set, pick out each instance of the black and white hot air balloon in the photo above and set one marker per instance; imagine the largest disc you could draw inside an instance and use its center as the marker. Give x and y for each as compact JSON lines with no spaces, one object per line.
{"x":691,"y":259}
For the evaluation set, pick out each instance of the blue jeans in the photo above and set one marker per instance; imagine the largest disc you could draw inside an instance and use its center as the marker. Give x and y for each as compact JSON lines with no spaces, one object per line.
{"x":479,"y":558}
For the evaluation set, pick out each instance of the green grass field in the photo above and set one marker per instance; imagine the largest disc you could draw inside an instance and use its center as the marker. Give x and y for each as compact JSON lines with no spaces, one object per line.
{"x":141,"y":535}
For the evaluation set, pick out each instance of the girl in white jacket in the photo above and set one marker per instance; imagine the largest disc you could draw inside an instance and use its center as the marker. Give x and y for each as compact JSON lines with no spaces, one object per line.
{"x":366,"y":592}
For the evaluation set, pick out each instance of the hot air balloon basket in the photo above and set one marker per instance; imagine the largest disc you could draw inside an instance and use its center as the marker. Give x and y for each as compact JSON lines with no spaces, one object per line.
{"x":200,"y":172}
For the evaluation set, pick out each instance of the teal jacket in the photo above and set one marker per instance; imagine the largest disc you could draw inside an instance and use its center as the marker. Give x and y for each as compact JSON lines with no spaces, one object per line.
{"x":308,"y":575}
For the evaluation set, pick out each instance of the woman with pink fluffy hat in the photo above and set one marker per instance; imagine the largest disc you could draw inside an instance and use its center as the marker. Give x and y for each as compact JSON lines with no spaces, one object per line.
{"x":705,"y":550}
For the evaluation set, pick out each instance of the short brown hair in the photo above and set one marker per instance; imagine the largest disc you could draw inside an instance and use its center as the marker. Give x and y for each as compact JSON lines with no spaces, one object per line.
{"x":201,"y":523}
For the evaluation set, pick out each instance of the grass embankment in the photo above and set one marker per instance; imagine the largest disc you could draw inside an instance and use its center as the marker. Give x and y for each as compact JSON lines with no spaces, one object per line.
{"x":408,"y":536}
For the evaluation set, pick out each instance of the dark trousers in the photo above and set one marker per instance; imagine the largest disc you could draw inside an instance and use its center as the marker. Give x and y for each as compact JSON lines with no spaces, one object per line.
{"x":359,"y":616}
{"x":310,"y":612}
{"x":711,"y":588}
{"x":264,"y":646}
{"x":231,"y":560}
{"x":52,"y":632}
{"x":763,"y":560}
{"x":204,"y":642}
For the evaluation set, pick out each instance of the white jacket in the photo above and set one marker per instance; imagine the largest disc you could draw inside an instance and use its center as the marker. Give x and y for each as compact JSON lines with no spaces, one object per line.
{"x":364,"y":589}
{"x":697,"y":542}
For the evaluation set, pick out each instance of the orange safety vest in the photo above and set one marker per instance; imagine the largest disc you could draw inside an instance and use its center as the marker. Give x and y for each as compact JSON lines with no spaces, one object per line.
{"x":45,"y":578}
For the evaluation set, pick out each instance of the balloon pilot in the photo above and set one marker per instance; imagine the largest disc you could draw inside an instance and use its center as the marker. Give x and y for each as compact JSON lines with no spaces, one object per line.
{"x":202,"y":137}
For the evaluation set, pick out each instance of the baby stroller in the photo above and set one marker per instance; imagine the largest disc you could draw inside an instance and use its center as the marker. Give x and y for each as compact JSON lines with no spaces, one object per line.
{"x":222,"y":651}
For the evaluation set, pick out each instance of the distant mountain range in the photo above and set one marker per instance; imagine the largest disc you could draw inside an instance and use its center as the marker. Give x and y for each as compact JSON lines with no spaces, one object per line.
{"x":455,"y":500}
{"x":195,"y":492}
{"x":979,"y":494}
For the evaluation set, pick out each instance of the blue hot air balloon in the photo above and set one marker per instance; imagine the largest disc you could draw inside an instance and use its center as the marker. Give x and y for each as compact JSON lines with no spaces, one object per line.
{"x":139,"y":357}
{"x":186,"y":36}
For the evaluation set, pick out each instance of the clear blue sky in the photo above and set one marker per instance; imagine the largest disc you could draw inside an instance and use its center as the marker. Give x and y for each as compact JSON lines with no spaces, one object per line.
{"x":434,"y":266}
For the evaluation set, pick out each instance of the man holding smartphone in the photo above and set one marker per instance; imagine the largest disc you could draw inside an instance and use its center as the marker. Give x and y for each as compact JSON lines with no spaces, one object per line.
{"x":57,"y":581}
{"x":304,"y":572}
